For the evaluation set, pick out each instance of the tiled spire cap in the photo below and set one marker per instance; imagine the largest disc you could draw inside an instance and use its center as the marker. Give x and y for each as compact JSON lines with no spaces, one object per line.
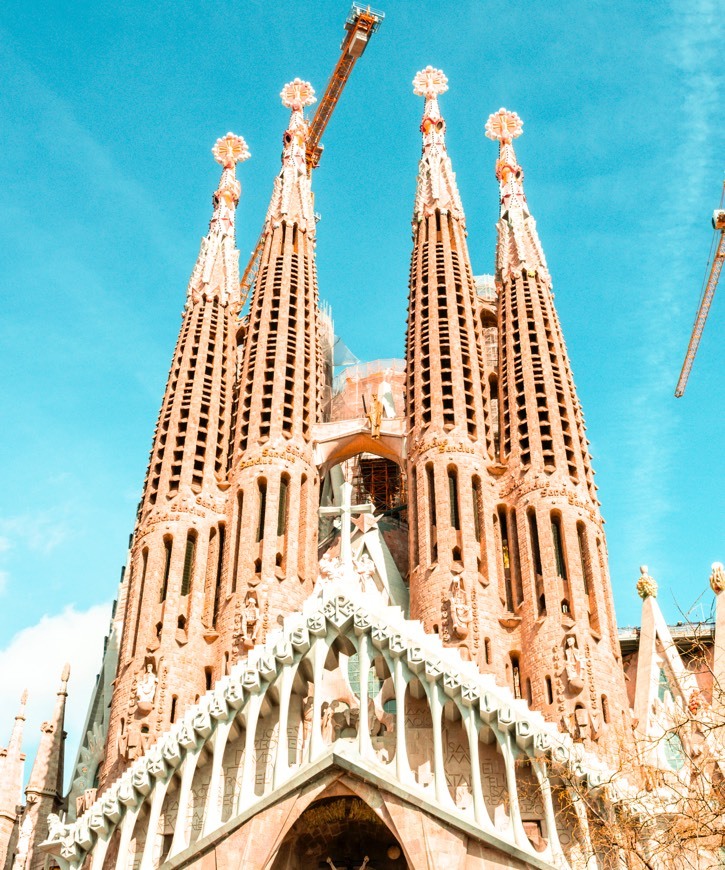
{"x":437,"y":188}
{"x":216,"y":272}
{"x":519,"y":248}
{"x":506,"y":126}
{"x":292,"y":196}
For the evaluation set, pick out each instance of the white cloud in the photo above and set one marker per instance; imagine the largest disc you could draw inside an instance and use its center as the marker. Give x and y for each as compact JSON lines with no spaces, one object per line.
{"x":42,"y":532}
{"x":34,"y":659}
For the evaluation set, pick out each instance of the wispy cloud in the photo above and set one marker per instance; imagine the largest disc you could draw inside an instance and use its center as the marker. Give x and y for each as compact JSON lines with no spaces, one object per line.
{"x":34,"y":659}
{"x":43,"y":531}
{"x":695,"y":37}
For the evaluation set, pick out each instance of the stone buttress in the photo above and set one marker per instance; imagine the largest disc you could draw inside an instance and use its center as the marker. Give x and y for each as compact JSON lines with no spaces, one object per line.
{"x":563,"y":653}
{"x":449,"y":437}
{"x":167,"y":656}
{"x":271,"y":553}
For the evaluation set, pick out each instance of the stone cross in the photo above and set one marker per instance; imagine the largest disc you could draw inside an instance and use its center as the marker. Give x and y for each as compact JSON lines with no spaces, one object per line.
{"x":345,"y":511}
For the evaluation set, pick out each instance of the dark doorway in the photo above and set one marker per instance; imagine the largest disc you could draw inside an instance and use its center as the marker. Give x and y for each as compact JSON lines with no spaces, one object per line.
{"x":345,"y":830}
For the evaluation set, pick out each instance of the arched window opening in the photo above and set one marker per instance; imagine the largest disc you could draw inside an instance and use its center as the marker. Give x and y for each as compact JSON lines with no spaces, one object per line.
{"x":453,"y":498}
{"x":208,"y":677}
{"x":487,"y":650}
{"x":189,"y":558}
{"x":587,"y":576}
{"x":174,"y":700}
{"x":558,"y":540}
{"x":536,"y":560}
{"x":168,"y":541}
{"x":413,"y":513}
{"x":605,"y":709}
{"x":432,"y":512}
{"x":505,"y":557}
{"x":237,"y":541}
{"x":549,"y":691}
{"x":514,"y":557}
{"x":139,"y":606}
{"x":528,"y":690}
{"x":262,"y":494}
{"x":181,"y":623}
{"x":477,"y":507}
{"x":282,"y":509}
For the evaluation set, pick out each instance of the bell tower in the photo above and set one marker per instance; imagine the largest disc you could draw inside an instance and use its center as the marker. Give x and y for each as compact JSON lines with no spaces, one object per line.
{"x":166,"y":658}
{"x":564,"y":651}
{"x":449,"y":433}
{"x":271,"y":556}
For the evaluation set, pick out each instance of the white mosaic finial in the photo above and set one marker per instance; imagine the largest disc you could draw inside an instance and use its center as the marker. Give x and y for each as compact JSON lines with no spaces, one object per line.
{"x":504,"y":126}
{"x":429,"y":83}
{"x":230,"y":150}
{"x":717,"y":577}
{"x":297,"y":94}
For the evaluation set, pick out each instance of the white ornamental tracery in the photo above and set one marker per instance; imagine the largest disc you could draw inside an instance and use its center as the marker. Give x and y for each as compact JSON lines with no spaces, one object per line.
{"x":290,"y":673}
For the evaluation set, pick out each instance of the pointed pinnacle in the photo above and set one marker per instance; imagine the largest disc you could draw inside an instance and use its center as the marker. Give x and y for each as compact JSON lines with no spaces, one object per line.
{"x":64,"y":677}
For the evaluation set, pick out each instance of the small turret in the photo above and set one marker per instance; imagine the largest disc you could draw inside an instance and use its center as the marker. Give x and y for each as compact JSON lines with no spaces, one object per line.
{"x":44,"y":792}
{"x":11,"y":781}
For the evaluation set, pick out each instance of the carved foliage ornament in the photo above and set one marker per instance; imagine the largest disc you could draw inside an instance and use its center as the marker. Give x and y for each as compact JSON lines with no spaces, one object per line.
{"x":646,"y":585}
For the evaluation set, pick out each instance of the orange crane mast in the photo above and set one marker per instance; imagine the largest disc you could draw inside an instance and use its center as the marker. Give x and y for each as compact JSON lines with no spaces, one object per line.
{"x":360,"y":25}
{"x":718,"y":223}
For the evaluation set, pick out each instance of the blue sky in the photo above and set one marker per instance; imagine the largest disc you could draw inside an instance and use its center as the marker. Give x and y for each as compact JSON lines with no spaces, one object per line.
{"x":108,"y":113}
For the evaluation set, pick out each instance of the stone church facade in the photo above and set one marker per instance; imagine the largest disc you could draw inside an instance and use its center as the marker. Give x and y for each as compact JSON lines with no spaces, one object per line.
{"x":366,"y":618}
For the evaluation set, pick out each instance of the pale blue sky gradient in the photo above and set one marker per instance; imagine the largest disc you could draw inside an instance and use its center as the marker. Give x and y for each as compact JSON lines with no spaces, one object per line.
{"x":108,"y":113}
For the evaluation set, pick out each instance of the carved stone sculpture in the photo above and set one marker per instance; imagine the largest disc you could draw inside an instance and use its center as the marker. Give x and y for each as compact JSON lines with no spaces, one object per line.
{"x":459,"y":610}
{"x":573,"y":665}
{"x":646,"y":585}
{"x":146,"y":690}
{"x":250,"y":620}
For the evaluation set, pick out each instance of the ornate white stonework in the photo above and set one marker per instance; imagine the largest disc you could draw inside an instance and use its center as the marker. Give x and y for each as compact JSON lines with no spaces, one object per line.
{"x":437,"y":188}
{"x":292,"y":195}
{"x":334,"y":727}
{"x":519,"y":249}
{"x":218,"y":257}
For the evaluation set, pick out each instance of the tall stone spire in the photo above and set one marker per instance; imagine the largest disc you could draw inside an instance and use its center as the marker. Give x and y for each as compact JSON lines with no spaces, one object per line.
{"x":216,"y":272}
{"x":167,"y":654}
{"x":11,"y":781}
{"x":271,"y":558}
{"x":437,"y":188}
{"x":451,"y":533}
{"x":563,"y":645}
{"x":44,"y":791}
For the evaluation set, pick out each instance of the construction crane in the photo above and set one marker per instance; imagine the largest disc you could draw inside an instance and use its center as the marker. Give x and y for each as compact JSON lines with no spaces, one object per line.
{"x":360,"y":25}
{"x":713,"y":276}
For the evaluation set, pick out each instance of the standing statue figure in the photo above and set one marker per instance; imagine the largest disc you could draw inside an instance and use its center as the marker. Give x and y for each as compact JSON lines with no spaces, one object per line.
{"x":385,"y":395}
{"x":365,"y":568}
{"x":459,"y":609}
{"x":146,"y":689}
{"x":250,"y":620}
{"x":375,"y":416}
{"x":573,"y":665}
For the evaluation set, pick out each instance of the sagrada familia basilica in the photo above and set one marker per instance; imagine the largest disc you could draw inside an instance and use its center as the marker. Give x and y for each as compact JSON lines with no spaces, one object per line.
{"x":366,"y":619}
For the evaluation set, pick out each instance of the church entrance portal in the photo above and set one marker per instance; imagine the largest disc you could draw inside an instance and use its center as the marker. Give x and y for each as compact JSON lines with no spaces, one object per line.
{"x":341,"y":833}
